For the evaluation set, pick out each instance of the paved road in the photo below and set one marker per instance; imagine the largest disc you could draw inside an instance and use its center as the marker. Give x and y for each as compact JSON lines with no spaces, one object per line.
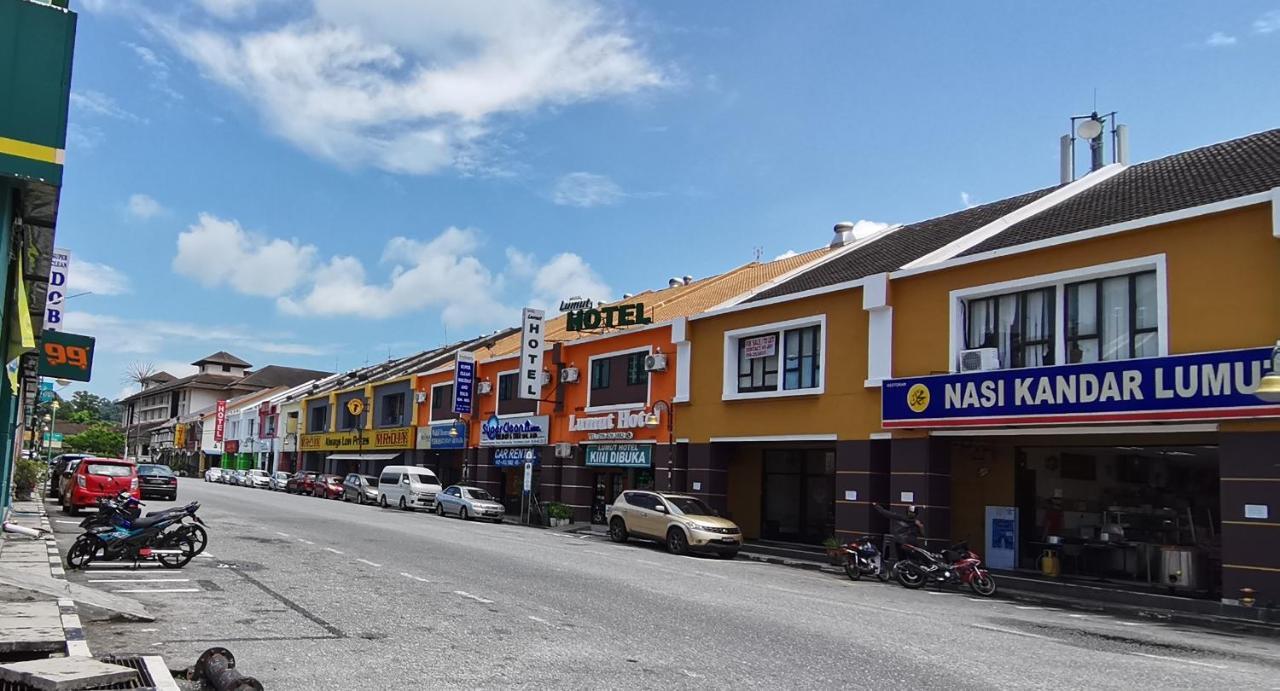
{"x":317,"y":594}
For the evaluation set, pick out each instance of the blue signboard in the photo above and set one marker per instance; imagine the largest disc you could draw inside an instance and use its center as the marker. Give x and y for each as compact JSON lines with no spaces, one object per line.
{"x":1202,"y":386}
{"x":464,"y":381}
{"x":528,"y":430}
{"x":450,"y":435}
{"x":514,"y":457}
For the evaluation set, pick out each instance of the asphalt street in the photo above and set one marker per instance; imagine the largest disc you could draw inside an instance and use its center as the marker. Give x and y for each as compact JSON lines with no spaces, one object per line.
{"x":318,"y":594}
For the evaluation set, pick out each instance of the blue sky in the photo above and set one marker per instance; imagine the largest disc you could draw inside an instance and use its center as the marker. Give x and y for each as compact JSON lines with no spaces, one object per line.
{"x":322,"y":183}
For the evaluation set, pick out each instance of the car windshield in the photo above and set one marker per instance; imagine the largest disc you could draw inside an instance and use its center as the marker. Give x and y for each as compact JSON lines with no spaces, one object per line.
{"x":690,"y":506}
{"x":109,"y":469}
{"x":155,"y":470}
{"x":479,"y":494}
{"x":257,"y":472}
{"x":425,"y":479}
{"x":371,"y":481}
{"x":282,"y":476}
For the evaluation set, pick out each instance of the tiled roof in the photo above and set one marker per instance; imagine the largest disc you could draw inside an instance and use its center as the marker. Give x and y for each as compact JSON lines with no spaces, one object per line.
{"x":275,"y":375}
{"x":1213,"y":173}
{"x":684,"y":300}
{"x":222,"y":357}
{"x":902,"y":246}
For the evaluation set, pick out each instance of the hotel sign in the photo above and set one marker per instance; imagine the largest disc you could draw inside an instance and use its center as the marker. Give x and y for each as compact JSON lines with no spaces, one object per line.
{"x":1202,"y":386}
{"x":606,"y":317}
{"x":369,"y":440}
{"x":620,"y":455}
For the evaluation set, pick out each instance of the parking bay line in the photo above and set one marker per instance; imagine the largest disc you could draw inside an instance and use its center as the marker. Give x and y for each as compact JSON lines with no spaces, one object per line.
{"x":420,"y":579}
{"x":140,"y":580}
{"x":1185,"y":662}
{"x":305,"y":542}
{"x":158,"y":590}
{"x":330,"y":549}
{"x":366,"y":561}
{"x":477,"y":598}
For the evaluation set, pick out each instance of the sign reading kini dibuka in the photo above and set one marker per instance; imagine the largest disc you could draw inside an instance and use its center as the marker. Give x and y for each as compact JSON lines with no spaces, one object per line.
{"x":1202,"y":386}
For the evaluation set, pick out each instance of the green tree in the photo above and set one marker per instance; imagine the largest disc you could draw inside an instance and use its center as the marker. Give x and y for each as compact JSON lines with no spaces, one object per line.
{"x":102,"y":438}
{"x":93,"y":406}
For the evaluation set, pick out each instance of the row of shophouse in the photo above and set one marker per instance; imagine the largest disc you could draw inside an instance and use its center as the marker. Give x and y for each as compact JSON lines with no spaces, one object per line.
{"x":1070,"y":370}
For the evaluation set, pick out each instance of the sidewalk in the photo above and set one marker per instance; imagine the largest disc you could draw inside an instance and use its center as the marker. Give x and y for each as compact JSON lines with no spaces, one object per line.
{"x":31,"y":621}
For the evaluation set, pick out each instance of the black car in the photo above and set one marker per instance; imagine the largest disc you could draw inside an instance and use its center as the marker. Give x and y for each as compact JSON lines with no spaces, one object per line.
{"x":157,"y":480}
{"x":362,"y":489}
{"x":58,"y":468}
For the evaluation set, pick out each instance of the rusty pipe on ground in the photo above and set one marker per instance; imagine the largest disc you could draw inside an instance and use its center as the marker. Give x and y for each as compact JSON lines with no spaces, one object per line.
{"x":217,"y":668}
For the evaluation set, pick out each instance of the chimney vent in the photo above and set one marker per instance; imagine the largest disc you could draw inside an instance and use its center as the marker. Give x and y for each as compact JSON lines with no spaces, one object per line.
{"x":628,"y":296}
{"x":674,"y":281}
{"x":688,"y":279}
{"x":843,"y":234}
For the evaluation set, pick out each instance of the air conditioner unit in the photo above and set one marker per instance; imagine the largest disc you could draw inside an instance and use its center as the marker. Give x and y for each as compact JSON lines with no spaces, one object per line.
{"x":546,"y":377}
{"x":569,"y":375}
{"x":979,"y":359}
{"x":484,"y":387}
{"x":564,"y":450}
{"x":420,"y":397}
{"x":655,"y":363}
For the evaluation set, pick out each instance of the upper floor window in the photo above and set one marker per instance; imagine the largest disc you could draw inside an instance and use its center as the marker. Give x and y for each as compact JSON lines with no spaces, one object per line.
{"x":775,"y":359}
{"x":318,"y":419}
{"x":619,"y":379}
{"x":392,"y":406}
{"x":269,"y":429}
{"x":1019,"y":325}
{"x":1113,"y":318}
{"x":442,"y":402}
{"x":509,"y":402}
{"x":349,"y":421}
{"x":601,"y":374}
{"x":637,"y":375}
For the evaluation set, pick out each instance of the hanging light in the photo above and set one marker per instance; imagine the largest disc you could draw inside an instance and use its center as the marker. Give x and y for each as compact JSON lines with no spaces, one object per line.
{"x":1269,"y":388}
{"x":651,"y":420}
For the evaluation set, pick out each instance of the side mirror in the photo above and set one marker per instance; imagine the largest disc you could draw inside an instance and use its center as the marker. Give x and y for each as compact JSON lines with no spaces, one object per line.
{"x":662,"y":508}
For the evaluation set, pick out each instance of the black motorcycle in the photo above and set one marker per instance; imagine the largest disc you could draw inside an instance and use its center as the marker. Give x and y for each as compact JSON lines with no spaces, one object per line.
{"x":143,"y":538}
{"x":862,"y":558}
{"x":125,"y":509}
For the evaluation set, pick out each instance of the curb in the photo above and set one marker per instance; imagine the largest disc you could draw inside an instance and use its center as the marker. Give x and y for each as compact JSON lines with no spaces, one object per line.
{"x":72,"y":627}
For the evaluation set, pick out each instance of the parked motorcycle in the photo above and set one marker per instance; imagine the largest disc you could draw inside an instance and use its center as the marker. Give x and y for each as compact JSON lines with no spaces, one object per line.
{"x":125,"y":509}
{"x":958,"y":565}
{"x":143,"y":538}
{"x":862,"y":558}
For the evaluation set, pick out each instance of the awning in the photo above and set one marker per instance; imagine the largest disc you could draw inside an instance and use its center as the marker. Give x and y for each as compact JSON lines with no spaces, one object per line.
{"x":361,"y":457}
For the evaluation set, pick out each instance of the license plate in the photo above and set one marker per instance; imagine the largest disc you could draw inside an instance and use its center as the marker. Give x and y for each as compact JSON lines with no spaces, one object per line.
{"x":728,"y":540}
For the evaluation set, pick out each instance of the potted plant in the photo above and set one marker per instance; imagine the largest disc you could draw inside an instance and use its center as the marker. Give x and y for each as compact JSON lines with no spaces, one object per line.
{"x":835,"y":550}
{"x":558,"y":514}
{"x":25,"y":478}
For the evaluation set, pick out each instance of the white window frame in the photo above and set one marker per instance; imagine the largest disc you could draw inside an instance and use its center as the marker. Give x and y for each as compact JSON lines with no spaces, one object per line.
{"x":1059,"y":281}
{"x":730,"y":373}
{"x":648,"y":393}
{"x":497,"y":397}
{"x":431,"y":396}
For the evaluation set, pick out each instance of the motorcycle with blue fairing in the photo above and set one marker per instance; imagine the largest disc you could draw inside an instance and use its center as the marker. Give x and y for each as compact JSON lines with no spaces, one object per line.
{"x":118,"y":532}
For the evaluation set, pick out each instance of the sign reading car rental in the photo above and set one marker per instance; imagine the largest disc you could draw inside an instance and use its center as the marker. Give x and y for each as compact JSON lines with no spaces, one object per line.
{"x":1203,"y":386}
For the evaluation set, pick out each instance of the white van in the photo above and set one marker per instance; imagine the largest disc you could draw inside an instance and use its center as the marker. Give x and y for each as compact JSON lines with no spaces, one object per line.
{"x":407,"y":486}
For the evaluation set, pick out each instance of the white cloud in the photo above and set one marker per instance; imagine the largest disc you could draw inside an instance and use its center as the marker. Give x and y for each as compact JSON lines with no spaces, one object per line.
{"x":158,"y":68}
{"x":415,"y":86}
{"x":144,"y":207}
{"x":585,"y":190}
{"x":227,"y":9}
{"x":967,"y":200}
{"x":786,"y":255}
{"x":99,"y":279}
{"x":177,"y":368}
{"x":1218,"y":39}
{"x":143,"y":337}
{"x":567,"y":275}
{"x":1267,"y":23}
{"x":216,"y":252}
{"x":521,"y":264}
{"x":98,"y":103}
{"x":82,"y":137}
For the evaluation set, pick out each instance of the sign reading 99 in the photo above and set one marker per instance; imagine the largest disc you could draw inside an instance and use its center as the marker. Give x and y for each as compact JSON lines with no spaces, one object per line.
{"x":66,"y":356}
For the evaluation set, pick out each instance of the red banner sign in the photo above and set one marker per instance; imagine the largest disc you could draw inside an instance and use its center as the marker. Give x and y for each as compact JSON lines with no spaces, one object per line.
{"x":220,"y":421}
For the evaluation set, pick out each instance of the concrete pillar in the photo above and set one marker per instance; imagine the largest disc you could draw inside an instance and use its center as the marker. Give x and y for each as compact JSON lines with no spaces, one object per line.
{"x":708,"y":473}
{"x":1250,"y":475}
{"x":920,"y":475}
{"x":862,"y":467}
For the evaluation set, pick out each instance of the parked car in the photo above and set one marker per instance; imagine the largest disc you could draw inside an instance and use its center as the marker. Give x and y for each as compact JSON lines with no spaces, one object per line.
{"x":237,"y":478}
{"x":360,"y":489}
{"x":469,"y":502}
{"x":68,"y":477}
{"x":327,"y":487}
{"x":682,"y":523}
{"x":213,"y":475}
{"x":407,"y":486}
{"x":279,"y":480}
{"x":98,"y":478}
{"x":58,"y":467}
{"x":227,"y":475}
{"x":157,"y":480}
{"x":302,"y":482}
{"x":257,"y":478}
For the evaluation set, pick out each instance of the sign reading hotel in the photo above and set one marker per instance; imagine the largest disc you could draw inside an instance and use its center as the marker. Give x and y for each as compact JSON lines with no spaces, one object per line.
{"x":606,"y":317}
{"x":1203,"y":386}
{"x":604,"y":426}
{"x":220,"y":421}
{"x":530,"y":382}
{"x":464,"y":381}
{"x":620,"y":455}
{"x":522,"y":431}
{"x":376,"y":440}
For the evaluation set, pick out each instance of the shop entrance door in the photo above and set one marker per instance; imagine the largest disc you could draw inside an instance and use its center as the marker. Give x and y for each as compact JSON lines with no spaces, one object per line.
{"x":608,"y":486}
{"x":799,"y":495}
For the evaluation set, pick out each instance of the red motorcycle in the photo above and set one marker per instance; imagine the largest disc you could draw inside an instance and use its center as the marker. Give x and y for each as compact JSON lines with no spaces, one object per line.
{"x":958,"y":565}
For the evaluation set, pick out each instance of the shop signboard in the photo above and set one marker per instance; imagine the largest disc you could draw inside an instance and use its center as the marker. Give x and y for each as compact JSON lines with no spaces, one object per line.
{"x":515,"y":456}
{"x":530,"y":430}
{"x":464,"y":381}
{"x":391,"y":438}
{"x":760,"y":346}
{"x":620,"y":455}
{"x":232,"y":446}
{"x":180,"y":436}
{"x":220,"y":421}
{"x":528,"y":477}
{"x":59,"y":265}
{"x":449,"y":435}
{"x":66,"y":356}
{"x":530,"y":382}
{"x":606,"y":317}
{"x":1002,"y":537}
{"x":1201,"y":386}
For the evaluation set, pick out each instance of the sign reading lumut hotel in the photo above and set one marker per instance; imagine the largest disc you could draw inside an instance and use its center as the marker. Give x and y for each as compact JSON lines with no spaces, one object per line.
{"x":1203,"y":386}
{"x":606,"y":317}
{"x":620,"y":455}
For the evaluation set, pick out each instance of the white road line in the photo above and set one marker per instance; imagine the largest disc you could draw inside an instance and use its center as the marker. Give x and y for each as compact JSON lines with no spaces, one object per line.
{"x":366,"y":561}
{"x":1078,"y":616}
{"x":540,"y":620}
{"x":305,"y":542}
{"x":330,"y":549}
{"x":68,"y":522}
{"x":1013,"y":632}
{"x":477,"y":598}
{"x":650,"y":563}
{"x":1174,"y":659}
{"x":1027,"y":607}
{"x":1132,"y":623}
{"x":282,"y":534}
{"x":420,"y":579}
{"x":140,"y":580}
{"x":159,"y":590}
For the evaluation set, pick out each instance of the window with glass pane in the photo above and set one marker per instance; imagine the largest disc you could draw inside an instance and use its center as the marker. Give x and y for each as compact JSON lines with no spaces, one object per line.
{"x":1019,"y":325}
{"x":392,"y":409}
{"x":600,"y":373}
{"x":1113,"y":318}
{"x":636,"y":373}
{"x":756,"y":373}
{"x":800,"y":350}
{"x":507,"y":387}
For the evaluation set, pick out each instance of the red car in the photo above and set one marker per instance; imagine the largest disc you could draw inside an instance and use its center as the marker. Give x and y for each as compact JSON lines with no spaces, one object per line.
{"x":302,"y":482}
{"x":328,"y":487}
{"x":99,"y":478}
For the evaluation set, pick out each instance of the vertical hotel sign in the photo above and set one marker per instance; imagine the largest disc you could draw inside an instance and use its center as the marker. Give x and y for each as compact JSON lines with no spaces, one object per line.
{"x":464,"y":381}
{"x":59,"y":265}
{"x":531,"y":354}
{"x":219,"y":421}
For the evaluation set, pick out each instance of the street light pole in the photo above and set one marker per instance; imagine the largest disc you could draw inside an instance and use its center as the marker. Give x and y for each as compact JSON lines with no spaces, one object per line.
{"x":653,"y":419}
{"x":53,"y":425}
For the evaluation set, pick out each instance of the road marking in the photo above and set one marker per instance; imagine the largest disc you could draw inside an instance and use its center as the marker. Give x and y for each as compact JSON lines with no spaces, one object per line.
{"x":933,"y":593}
{"x":206,"y":555}
{"x":1027,"y":607}
{"x":282,"y":534}
{"x":1132,"y":623}
{"x":477,"y":598}
{"x":650,"y":563}
{"x":977,"y":599}
{"x":1013,"y":632}
{"x":366,"y":561}
{"x":1078,"y":616}
{"x":140,"y":580}
{"x":420,"y":579}
{"x":305,"y":542}
{"x":330,"y":549}
{"x":1174,"y":659}
{"x":159,"y":590}
{"x":540,"y":620}
{"x":68,"y":522}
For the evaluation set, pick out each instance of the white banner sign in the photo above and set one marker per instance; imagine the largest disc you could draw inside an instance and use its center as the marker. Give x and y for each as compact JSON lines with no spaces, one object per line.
{"x":531,"y":355}
{"x":59,"y":264}
{"x":760,"y":346}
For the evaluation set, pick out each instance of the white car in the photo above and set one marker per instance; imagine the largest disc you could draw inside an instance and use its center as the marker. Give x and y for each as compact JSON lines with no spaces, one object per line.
{"x":213,"y":474}
{"x":257,"y":478}
{"x":279,"y":481}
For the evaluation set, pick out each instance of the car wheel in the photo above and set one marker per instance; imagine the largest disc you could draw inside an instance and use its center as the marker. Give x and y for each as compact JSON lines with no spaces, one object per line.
{"x":618,"y":530}
{"x":677,"y":542}
{"x":403,"y":505}
{"x":382,"y":500}
{"x":462,"y":513}
{"x":360,"y":498}
{"x":439,"y":509}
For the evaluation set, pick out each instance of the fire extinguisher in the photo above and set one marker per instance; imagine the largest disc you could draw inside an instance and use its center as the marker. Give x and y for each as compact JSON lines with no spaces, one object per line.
{"x":1049,"y":564}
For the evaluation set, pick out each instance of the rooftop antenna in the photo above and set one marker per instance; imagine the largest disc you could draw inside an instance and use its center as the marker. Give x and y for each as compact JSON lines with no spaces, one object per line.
{"x":1092,"y":128}
{"x":758,"y":252}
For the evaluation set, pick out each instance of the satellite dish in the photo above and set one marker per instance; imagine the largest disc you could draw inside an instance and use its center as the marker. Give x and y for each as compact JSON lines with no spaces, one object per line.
{"x":1089,"y":129}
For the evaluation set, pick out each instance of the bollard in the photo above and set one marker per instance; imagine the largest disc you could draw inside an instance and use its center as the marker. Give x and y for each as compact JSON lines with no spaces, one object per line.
{"x":217,"y":668}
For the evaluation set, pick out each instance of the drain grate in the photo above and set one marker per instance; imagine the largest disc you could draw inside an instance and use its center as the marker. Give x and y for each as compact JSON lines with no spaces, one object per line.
{"x":152,"y":675}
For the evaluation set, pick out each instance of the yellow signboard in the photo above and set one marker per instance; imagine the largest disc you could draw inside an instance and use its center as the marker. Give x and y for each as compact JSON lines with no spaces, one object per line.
{"x":355,"y":406}
{"x":369,"y":440}
{"x":180,"y":436}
